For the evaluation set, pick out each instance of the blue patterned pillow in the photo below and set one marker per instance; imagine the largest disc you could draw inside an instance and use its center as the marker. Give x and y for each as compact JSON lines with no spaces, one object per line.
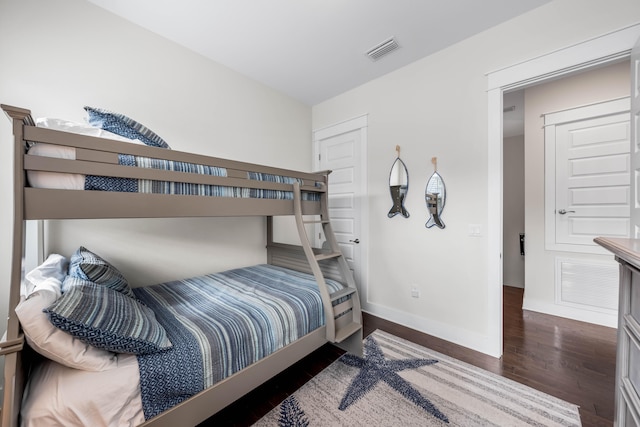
{"x":124,"y":126}
{"x":86,"y":265}
{"x":106,"y":319}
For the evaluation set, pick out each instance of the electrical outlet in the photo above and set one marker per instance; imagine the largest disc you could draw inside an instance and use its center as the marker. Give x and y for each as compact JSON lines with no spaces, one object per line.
{"x":415,"y":293}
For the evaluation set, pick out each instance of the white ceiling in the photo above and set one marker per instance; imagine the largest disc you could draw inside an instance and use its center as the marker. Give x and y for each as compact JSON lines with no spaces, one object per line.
{"x":313,"y":50}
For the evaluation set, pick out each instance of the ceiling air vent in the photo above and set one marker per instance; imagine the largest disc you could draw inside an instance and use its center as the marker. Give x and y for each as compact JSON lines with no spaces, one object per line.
{"x":383,"y":49}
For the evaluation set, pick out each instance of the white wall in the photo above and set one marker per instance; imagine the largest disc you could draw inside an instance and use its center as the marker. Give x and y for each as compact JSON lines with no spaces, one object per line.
{"x":438,"y":107}
{"x":585,"y":88}
{"x":60,"y":55}
{"x":513,"y":211}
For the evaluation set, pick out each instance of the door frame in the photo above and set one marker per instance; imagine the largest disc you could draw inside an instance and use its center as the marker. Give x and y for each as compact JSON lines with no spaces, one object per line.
{"x":360,"y":124}
{"x":598,"y":51}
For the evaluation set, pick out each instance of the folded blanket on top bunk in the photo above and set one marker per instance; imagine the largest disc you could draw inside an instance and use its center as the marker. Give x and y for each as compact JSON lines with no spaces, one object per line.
{"x":105,"y":183}
{"x":67,"y":181}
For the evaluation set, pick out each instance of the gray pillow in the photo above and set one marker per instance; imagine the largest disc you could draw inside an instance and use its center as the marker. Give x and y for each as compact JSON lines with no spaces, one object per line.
{"x":55,"y":344}
{"x":106,"y":319}
{"x":87,"y":265}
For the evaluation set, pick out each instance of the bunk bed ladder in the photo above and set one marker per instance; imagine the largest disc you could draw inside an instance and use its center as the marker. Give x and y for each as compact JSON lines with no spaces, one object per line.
{"x":343,"y":316}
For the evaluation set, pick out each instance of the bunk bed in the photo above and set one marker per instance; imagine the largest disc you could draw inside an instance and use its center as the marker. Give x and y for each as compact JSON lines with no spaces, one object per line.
{"x":232,"y":189}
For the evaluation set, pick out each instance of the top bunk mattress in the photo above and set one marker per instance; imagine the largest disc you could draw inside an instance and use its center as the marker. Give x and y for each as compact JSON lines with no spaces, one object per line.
{"x":72,"y":181}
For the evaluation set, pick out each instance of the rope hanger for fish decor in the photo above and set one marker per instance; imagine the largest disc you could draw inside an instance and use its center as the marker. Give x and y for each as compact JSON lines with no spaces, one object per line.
{"x":434,"y":160}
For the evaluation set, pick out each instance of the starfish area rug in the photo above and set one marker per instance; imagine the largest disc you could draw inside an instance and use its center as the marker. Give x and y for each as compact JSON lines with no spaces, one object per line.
{"x":399,"y":383}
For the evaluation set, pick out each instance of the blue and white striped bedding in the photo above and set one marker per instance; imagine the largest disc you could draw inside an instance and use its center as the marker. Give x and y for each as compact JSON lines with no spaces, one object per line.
{"x":93,"y":182}
{"x":221,"y":323}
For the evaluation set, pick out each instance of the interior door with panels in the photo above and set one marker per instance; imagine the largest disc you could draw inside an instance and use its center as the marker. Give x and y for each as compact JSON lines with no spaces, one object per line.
{"x":340,"y":155}
{"x":587,"y":176}
{"x":342,"y":149}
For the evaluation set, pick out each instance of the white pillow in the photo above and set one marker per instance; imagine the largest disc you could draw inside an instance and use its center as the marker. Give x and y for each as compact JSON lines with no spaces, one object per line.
{"x":55,"y":180}
{"x":55,"y":344}
{"x":48,"y":275}
{"x":80,"y":128}
{"x":44,"y":284}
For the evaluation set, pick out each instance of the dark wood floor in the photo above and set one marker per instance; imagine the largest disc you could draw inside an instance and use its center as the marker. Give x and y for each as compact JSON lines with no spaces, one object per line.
{"x":571,"y":360}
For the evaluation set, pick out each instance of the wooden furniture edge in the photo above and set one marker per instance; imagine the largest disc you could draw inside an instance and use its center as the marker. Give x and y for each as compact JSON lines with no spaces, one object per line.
{"x":628,"y":249}
{"x":78,"y":204}
{"x":14,"y":377}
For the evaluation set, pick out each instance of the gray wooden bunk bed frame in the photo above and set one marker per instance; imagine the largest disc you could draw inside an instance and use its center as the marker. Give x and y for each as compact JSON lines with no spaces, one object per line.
{"x":343,"y":320}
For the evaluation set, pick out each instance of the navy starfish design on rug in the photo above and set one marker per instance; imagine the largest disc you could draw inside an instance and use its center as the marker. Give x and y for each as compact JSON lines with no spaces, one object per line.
{"x":291,"y":414}
{"x":374,"y":368}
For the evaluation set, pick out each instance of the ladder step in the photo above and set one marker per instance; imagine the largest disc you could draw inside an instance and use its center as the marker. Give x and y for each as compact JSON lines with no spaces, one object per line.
{"x":312,"y":189}
{"x":344,"y":292}
{"x":346,"y":331}
{"x":320,"y":257}
{"x":317,"y":221}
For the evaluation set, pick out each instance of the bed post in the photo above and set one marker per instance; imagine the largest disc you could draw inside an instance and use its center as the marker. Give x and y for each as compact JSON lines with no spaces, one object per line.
{"x":269,"y":220}
{"x":12,"y":347}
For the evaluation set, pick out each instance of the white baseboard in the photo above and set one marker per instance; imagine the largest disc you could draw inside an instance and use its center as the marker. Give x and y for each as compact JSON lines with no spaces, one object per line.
{"x":583,"y":315}
{"x":443,"y":331}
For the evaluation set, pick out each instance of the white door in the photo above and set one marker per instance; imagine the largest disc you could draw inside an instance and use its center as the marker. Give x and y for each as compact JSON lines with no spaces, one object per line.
{"x":587,"y":175}
{"x":635,"y":139}
{"x":343,"y":155}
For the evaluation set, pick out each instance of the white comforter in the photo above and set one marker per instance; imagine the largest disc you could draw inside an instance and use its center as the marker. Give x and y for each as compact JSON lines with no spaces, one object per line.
{"x":60,"y":396}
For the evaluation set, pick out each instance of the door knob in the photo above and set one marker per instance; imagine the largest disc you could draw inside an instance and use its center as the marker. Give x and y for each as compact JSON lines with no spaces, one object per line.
{"x":356,"y":241}
{"x":563,"y":211}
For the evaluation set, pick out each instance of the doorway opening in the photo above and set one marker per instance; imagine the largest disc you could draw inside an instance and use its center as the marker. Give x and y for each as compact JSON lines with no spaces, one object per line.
{"x":513,"y":210}
{"x":566,"y":181}
{"x":599,"y":51}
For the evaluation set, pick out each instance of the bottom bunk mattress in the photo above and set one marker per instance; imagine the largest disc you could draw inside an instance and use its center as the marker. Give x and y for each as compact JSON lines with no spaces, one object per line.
{"x":218,"y":324}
